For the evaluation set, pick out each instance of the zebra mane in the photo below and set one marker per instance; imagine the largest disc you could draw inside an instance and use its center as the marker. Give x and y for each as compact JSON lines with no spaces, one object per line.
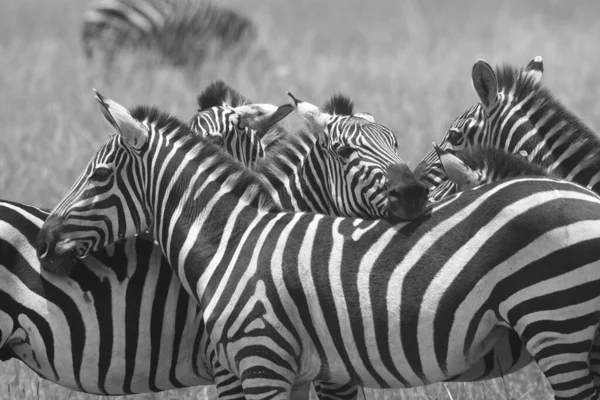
{"x":514,"y":82}
{"x":272,"y":137}
{"x":218,"y":94}
{"x":248,"y":185}
{"x":501,"y":164}
{"x":339,"y":104}
{"x":281,"y":150}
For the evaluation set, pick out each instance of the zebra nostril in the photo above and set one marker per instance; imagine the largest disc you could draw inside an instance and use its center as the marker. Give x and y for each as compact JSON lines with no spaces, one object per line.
{"x":42,"y":249}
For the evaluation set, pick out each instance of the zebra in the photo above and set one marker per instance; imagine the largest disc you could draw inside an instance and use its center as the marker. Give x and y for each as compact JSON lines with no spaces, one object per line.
{"x":287,"y":155}
{"x":516,"y":112}
{"x":182,"y":32}
{"x":48,"y":349}
{"x":248,"y":145}
{"x":215,"y":105}
{"x":120,"y":324}
{"x":521,"y":254}
{"x":478,"y":165}
{"x":337,"y":166}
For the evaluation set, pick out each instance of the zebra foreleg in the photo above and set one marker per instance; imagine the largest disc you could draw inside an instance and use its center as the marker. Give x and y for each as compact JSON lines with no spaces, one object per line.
{"x":333,"y":391}
{"x":563,"y":356}
{"x":595,"y":358}
{"x":229,"y":387}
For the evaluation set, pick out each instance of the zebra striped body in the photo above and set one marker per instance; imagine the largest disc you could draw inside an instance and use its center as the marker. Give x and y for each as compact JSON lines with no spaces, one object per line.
{"x":293,"y":297}
{"x":517,"y":113}
{"x":290,"y":166}
{"x":181,"y":31}
{"x":119,"y":324}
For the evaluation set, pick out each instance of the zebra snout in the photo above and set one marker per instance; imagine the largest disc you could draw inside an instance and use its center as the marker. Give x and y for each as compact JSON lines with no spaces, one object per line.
{"x":55,"y":259}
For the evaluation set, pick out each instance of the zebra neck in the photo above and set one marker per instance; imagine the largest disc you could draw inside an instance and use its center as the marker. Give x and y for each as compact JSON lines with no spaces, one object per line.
{"x":197,"y":193}
{"x":552,"y":135}
{"x":282,"y":167}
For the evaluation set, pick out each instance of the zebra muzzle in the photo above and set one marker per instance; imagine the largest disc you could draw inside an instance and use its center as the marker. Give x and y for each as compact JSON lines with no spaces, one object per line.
{"x":56,"y":256}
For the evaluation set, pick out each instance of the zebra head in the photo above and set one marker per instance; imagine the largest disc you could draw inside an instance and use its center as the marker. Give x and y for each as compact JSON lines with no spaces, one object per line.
{"x":109,"y":201}
{"x":479,"y":124}
{"x":219,"y":107}
{"x":357,"y":156}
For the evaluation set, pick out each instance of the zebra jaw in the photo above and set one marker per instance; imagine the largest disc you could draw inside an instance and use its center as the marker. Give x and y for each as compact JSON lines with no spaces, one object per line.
{"x":65,"y":257}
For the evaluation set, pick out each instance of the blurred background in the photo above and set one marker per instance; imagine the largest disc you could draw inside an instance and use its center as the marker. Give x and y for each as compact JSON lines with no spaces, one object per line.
{"x":406,"y":62}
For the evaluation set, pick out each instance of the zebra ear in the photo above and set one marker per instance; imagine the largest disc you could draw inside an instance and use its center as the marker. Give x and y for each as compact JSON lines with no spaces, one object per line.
{"x":132,"y":130}
{"x":312,"y":114}
{"x":457,"y":171}
{"x":365,"y":115}
{"x":485,"y":83}
{"x":535,"y":69}
{"x":523,"y":153}
{"x":261,"y":116}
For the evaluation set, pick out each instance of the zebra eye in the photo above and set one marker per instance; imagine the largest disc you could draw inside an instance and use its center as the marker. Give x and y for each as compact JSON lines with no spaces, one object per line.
{"x":345,"y":152}
{"x":394,"y":194}
{"x":101,"y":174}
{"x":216,"y":140}
{"x":455,"y":135}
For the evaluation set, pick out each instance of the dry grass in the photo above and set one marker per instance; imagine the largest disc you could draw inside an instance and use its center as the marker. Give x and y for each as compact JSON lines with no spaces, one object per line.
{"x":406,"y":62}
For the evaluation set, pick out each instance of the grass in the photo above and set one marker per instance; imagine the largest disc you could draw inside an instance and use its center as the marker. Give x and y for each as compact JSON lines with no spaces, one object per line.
{"x":406,"y":62}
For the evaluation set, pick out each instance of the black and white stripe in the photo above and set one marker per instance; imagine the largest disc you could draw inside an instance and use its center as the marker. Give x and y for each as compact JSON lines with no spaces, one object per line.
{"x":517,"y":113}
{"x":119,"y":324}
{"x":181,"y":32}
{"x":293,"y":297}
{"x":336,"y":166}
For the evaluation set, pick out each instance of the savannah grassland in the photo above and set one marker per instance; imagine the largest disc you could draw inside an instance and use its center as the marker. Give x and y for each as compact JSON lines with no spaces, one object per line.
{"x":406,"y":62}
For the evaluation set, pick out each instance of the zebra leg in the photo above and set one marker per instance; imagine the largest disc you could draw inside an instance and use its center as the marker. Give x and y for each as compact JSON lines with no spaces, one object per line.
{"x":595,"y":358}
{"x":229,"y":387}
{"x":334,"y":391}
{"x":563,"y":356}
{"x":262,"y":383}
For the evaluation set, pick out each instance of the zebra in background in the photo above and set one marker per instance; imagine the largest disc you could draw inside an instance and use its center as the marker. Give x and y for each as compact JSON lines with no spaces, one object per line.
{"x":517,"y":113}
{"x":337,"y":166}
{"x":523,"y":254}
{"x":181,"y":32}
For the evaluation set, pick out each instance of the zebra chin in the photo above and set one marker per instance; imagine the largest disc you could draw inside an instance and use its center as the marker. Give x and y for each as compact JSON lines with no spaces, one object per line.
{"x":61,"y":266}
{"x":400,"y":210}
